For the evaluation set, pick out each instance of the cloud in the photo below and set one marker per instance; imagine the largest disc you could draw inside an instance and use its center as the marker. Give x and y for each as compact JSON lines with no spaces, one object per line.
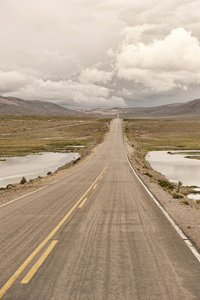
{"x":135,"y":34}
{"x":93,"y":75}
{"x":70,"y":92}
{"x":163,"y":64}
{"x":13,"y":81}
{"x":68,"y":50}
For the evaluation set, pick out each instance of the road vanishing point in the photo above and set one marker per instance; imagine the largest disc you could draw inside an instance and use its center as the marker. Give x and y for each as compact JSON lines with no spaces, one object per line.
{"x":94,"y":234}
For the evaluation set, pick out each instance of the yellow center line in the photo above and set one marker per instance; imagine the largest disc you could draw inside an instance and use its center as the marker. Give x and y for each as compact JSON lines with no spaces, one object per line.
{"x":95,"y":187}
{"x":10,"y":281}
{"x":36,"y":266}
{"x":83,"y":203}
{"x":101,"y":177}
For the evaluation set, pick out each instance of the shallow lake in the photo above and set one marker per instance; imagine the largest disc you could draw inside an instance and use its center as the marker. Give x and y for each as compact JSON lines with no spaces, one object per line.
{"x":176,"y":167}
{"x":31,"y":166}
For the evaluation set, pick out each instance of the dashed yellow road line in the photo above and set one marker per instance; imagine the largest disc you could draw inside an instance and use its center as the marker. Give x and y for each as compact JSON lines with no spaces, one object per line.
{"x":83,"y":203}
{"x":36,"y":266}
{"x":12,"y":279}
{"x":95,"y":187}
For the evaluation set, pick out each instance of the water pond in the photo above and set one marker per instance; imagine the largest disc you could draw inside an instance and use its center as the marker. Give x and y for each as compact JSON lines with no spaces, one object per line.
{"x":176,"y":166}
{"x":194,"y":196}
{"x":31,"y":166}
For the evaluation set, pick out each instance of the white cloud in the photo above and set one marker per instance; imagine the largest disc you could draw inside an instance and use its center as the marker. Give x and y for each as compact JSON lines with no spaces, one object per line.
{"x":12,"y":81}
{"x":93,"y":75}
{"x":164,"y":64}
{"x":71,"y":93}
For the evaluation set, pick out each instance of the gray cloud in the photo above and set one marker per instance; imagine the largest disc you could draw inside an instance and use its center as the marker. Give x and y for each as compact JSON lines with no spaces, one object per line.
{"x":101,"y":52}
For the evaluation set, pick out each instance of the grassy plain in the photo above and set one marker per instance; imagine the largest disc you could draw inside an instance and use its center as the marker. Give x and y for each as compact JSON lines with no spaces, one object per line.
{"x":151,"y":135}
{"x":25,"y":134}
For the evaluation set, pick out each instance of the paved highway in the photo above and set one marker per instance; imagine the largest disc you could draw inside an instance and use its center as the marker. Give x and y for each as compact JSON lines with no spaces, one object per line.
{"x":95,"y":234}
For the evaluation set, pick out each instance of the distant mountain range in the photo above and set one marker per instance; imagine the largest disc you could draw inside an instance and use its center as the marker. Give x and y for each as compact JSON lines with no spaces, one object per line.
{"x":190,"y":109}
{"x":12,"y":105}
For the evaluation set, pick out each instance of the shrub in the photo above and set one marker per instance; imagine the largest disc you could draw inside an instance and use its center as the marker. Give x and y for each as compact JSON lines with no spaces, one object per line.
{"x":9,"y":185}
{"x":177,"y":196}
{"x":49,"y":173}
{"x":23,"y":181}
{"x":166,"y":184}
{"x":76,"y":160}
{"x":149,"y":175}
{"x":185,"y":202}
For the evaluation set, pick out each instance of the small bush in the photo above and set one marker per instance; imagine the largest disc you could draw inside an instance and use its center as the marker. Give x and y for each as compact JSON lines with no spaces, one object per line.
{"x":185,"y":202}
{"x":23,"y":181}
{"x":49,"y":173}
{"x":198,"y":201}
{"x":76,"y":160}
{"x":177,"y":196}
{"x":166,"y":184}
{"x":149,"y":175}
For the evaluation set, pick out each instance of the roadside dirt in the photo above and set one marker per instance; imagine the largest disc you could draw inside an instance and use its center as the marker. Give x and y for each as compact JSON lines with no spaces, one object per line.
{"x":186,"y":216}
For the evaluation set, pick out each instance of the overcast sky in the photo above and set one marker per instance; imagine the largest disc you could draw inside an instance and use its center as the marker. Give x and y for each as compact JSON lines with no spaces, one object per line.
{"x":100,"y":53}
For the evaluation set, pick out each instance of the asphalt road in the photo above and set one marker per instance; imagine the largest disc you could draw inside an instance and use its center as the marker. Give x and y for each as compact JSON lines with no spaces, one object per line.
{"x":95,"y":234}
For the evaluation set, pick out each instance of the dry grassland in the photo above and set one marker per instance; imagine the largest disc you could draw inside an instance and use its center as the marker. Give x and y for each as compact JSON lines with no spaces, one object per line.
{"x":151,"y":135}
{"x":25,"y":134}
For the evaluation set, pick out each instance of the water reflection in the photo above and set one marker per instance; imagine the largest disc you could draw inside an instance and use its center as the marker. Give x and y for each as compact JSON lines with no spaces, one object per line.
{"x":194,"y":196}
{"x":31,"y":166}
{"x":176,"y":167}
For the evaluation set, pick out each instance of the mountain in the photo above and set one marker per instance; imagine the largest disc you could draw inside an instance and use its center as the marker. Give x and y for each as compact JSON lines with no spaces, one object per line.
{"x":12,"y":105}
{"x":190,"y":109}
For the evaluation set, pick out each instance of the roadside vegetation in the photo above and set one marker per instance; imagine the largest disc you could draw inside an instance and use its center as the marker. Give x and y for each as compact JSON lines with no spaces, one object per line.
{"x":151,"y":135}
{"x":25,"y":134}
